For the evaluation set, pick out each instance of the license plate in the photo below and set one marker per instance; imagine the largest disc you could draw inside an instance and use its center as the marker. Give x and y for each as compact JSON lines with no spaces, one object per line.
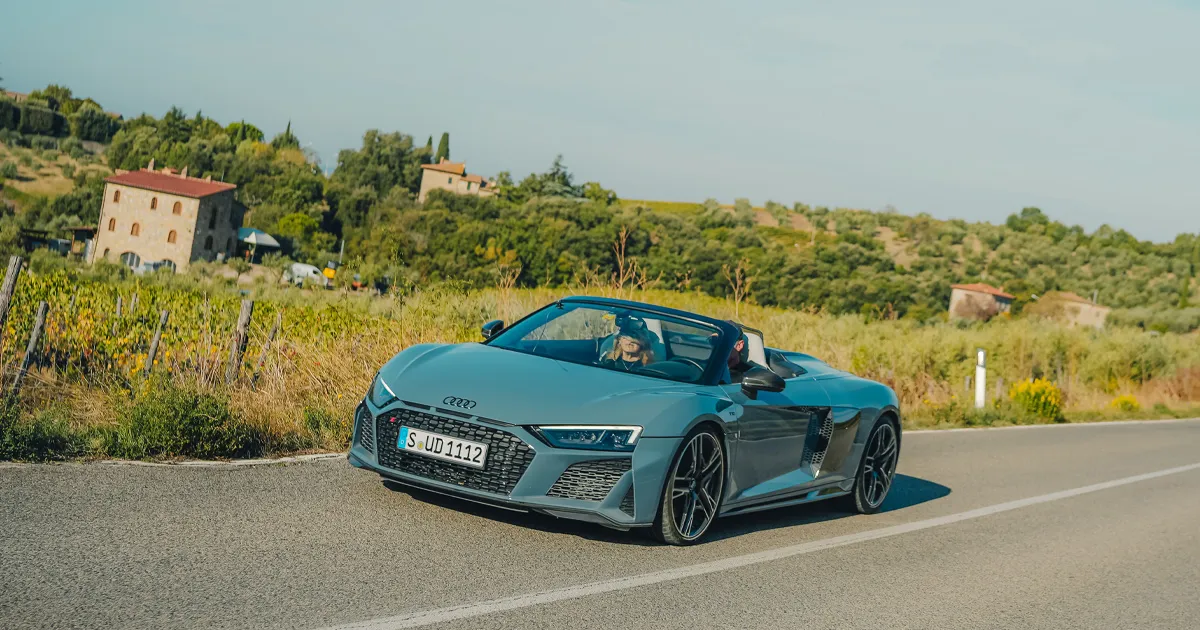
{"x":444,"y":447}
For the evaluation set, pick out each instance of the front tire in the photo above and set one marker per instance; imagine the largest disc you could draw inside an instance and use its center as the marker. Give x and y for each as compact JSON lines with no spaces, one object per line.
{"x":877,"y":469}
{"x":692,"y":494}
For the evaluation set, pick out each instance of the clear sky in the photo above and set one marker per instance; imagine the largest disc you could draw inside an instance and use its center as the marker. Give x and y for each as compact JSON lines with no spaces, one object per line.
{"x":1087,"y":109}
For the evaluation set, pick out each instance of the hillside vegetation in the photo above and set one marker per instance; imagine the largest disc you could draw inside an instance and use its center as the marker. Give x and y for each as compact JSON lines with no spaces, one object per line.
{"x":546,"y":230}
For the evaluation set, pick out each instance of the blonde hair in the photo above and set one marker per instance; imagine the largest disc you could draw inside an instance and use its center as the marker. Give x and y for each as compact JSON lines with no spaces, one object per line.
{"x":647,"y":355}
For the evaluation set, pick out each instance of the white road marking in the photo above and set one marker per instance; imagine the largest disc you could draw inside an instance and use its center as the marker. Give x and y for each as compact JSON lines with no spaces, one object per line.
{"x":478,"y":609}
{"x":1047,"y":426}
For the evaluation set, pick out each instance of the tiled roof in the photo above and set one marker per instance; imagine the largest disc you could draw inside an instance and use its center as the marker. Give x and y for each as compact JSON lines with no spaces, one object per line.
{"x":457,"y":168}
{"x":474,"y":179}
{"x":980,"y":287}
{"x":171,"y":184}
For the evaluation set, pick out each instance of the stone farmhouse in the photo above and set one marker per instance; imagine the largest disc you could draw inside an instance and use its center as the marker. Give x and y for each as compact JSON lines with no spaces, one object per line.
{"x":161,"y":216}
{"x":452,"y":176}
{"x":1074,"y":309}
{"x":978,"y":301}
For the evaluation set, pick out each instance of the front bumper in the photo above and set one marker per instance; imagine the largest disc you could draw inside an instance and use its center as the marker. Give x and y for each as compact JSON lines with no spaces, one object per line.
{"x":631,"y":501}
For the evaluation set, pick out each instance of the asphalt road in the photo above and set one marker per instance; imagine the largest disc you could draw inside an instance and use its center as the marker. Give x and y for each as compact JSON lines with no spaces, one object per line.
{"x":984,"y":529}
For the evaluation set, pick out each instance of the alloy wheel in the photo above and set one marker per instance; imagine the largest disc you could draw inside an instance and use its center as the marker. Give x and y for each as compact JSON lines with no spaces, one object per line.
{"x":879,"y":466}
{"x":696,"y":485}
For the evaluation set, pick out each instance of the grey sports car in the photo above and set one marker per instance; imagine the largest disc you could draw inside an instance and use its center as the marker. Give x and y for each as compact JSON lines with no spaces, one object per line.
{"x":631,"y":416}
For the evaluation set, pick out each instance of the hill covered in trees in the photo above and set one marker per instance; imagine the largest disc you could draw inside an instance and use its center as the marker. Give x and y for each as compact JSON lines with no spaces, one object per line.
{"x":547,"y":229}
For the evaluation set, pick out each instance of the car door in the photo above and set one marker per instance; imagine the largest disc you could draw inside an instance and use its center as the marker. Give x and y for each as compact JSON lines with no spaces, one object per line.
{"x":777,"y":435}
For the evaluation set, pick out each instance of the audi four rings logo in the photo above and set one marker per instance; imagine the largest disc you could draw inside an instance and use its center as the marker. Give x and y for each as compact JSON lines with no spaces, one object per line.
{"x":461,"y":403}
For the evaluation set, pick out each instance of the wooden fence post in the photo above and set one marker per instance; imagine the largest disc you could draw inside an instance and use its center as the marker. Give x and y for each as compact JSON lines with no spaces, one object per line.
{"x":32,"y":349}
{"x":6,"y":292}
{"x":262,"y":356}
{"x":162,"y":321}
{"x":133,"y":304}
{"x":118,"y":307}
{"x":238,"y":347}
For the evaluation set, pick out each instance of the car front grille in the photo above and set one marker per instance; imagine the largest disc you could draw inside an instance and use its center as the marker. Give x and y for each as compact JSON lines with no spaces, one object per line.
{"x":507,"y":459}
{"x":366,"y":428}
{"x":589,"y":481}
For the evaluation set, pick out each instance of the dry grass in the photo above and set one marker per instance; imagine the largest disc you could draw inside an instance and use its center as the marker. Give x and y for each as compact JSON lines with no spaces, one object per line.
{"x":306,"y":378}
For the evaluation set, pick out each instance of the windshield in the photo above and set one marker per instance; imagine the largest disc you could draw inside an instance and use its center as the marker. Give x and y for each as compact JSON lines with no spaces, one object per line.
{"x":615,"y":338}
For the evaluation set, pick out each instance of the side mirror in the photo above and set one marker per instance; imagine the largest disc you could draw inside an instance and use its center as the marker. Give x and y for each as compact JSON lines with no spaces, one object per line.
{"x":760,"y":379}
{"x":490,"y":329}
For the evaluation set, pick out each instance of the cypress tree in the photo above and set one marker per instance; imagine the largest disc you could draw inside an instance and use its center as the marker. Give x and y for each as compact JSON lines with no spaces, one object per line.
{"x":443,"y":148}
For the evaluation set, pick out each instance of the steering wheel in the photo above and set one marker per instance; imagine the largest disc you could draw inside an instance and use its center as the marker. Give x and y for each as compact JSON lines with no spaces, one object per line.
{"x":691,"y":361}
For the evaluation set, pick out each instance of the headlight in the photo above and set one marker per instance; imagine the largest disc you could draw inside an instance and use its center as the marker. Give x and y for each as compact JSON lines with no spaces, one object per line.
{"x":380,"y":394}
{"x":620,"y":438}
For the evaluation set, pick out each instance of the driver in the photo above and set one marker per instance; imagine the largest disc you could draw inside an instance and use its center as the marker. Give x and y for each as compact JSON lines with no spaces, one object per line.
{"x":631,"y":348}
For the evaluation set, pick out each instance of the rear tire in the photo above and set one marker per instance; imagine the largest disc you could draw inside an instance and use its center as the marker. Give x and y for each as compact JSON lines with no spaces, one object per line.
{"x":876,"y":471}
{"x":692,"y":493}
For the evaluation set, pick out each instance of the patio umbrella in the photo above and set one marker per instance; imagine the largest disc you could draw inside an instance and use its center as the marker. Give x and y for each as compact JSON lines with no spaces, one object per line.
{"x":256,"y":237}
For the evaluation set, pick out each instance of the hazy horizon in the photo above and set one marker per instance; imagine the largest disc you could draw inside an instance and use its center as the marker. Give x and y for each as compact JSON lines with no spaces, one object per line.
{"x":1086,"y":110}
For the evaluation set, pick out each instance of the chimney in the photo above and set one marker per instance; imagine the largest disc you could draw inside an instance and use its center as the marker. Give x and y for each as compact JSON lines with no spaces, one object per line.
{"x":208,"y":178}
{"x":151,"y":166}
{"x":183,"y":173}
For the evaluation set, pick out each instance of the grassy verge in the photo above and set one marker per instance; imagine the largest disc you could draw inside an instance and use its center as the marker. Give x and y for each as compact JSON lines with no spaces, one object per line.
{"x":90,"y":398}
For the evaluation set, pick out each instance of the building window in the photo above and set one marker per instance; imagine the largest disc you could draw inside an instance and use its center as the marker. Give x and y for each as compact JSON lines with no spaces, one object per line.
{"x":208,"y":243}
{"x":154,"y":203}
{"x":116,"y":196}
{"x":167,"y":264}
{"x":112,"y":225}
{"x":468,"y":185}
{"x":130,"y":259}
{"x":171,"y":236}
{"x":177,"y":208}
{"x":136,"y":230}
{"x":212,"y":219}
{"x":105,"y":254}
{"x":450,"y":180}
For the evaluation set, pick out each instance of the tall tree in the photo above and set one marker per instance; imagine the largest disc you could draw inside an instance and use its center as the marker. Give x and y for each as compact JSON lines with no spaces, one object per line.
{"x":286,"y":140}
{"x":443,"y":148}
{"x":429,"y":145}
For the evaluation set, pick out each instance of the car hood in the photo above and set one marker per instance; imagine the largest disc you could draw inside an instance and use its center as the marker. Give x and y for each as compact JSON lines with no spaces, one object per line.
{"x":521,"y":388}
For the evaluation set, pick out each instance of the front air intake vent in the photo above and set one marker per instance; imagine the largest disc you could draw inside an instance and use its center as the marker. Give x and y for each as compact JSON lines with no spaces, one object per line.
{"x":365,"y":425}
{"x":589,"y":481}
{"x":627,"y":502}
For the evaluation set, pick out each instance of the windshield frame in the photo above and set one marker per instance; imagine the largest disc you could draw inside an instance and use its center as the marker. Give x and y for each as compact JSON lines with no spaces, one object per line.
{"x":727,"y":335}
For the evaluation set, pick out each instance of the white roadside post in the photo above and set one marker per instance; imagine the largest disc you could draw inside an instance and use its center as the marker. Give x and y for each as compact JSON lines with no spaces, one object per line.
{"x":980,"y":378}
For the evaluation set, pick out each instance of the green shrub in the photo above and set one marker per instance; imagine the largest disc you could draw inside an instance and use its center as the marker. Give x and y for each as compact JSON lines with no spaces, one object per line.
{"x":13,"y":138}
{"x":8,"y":170}
{"x":26,"y":160}
{"x":1039,"y":397}
{"x":41,"y":121}
{"x":44,"y":143}
{"x":167,"y":420}
{"x":326,"y":430}
{"x":45,"y":436}
{"x":68,"y":170}
{"x":10,"y":114}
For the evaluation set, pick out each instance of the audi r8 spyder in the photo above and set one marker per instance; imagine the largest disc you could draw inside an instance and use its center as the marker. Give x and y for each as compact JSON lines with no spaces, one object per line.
{"x":628,"y":415}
